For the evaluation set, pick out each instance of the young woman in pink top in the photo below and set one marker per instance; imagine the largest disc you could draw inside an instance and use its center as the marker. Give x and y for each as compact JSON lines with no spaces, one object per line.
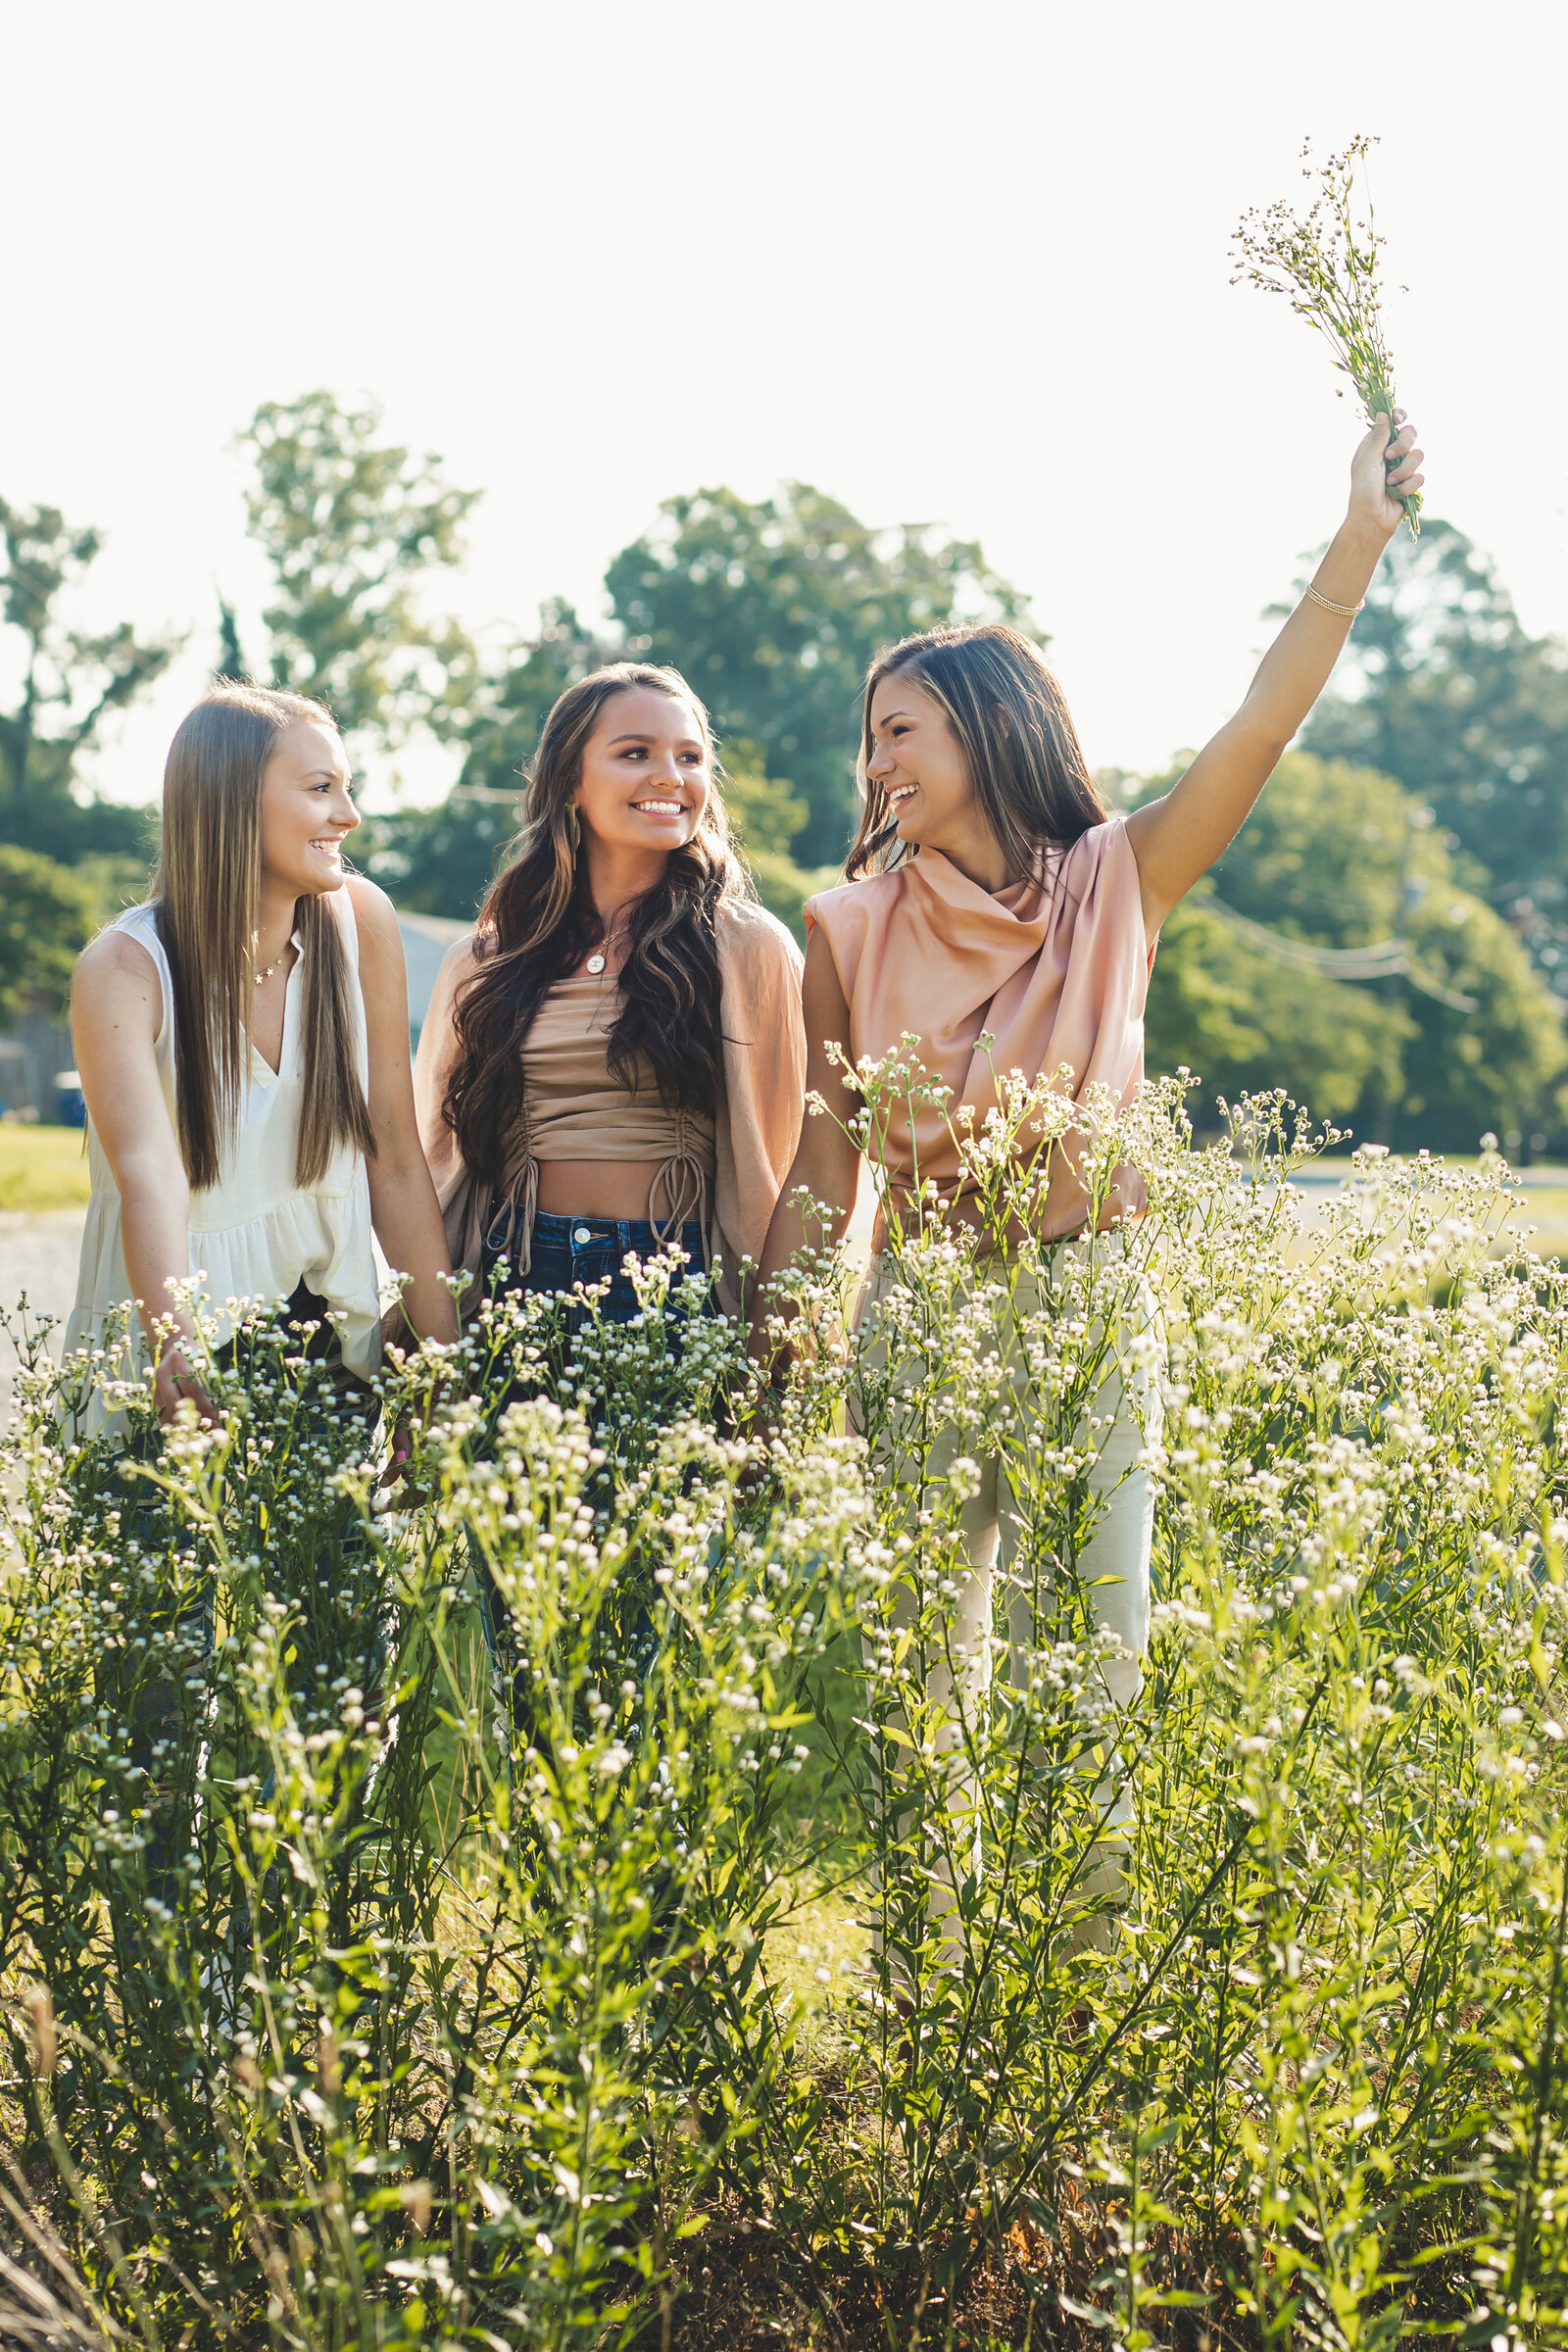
{"x":989,"y":890}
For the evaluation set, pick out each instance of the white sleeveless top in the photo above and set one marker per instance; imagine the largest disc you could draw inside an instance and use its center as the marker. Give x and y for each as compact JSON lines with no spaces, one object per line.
{"x":254,"y":1235}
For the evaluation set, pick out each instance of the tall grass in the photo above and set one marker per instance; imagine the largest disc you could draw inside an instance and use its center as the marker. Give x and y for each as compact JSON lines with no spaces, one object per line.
{"x":359,"y":1994}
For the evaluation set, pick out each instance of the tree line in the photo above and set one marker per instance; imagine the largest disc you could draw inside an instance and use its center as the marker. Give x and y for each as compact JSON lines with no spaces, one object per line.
{"x":1386,"y":937}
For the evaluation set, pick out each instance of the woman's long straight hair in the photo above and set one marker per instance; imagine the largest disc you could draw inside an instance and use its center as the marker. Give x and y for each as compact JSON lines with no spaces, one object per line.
{"x":1011,"y":720}
{"x":539,"y":922}
{"x":206,"y":892}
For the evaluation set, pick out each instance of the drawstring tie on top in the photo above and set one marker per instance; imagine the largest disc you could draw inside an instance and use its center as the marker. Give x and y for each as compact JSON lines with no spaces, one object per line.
{"x":682,"y":1176}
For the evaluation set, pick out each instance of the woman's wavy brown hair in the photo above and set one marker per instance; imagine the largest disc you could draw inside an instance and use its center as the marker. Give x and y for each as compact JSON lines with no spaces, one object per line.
{"x":1011,"y":720}
{"x":205,"y":892}
{"x":539,"y":922}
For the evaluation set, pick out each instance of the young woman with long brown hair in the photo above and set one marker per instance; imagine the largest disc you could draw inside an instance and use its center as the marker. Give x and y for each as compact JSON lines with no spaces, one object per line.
{"x":243,"y":1043}
{"x":613,"y":1060}
{"x":989,"y":890}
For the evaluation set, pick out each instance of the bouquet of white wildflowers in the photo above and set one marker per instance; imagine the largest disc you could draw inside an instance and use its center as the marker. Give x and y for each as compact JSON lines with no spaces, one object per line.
{"x":1326,"y":262}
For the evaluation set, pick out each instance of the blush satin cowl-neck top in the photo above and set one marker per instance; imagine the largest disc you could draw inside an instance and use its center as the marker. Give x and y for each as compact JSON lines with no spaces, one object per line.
{"x":1054,"y":967}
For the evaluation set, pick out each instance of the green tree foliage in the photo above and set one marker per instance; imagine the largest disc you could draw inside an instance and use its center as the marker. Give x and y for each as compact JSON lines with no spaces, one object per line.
{"x":231,"y":662}
{"x":442,"y":861}
{"x":71,"y":682}
{"x":1243,"y":1023}
{"x":764,"y":812}
{"x":774,"y":609}
{"x":1338,"y":856}
{"x":349,"y":525}
{"x":512,"y":704}
{"x":1444,"y":690}
{"x":764,"y":817}
{"x":48,"y":912}
{"x":1500,"y":1067}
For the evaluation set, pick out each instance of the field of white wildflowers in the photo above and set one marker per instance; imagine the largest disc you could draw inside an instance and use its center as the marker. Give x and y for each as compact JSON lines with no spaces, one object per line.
{"x":714,"y":1957}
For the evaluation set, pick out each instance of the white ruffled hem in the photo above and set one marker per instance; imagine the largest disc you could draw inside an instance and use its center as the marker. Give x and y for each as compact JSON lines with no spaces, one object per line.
{"x":324,"y":1242}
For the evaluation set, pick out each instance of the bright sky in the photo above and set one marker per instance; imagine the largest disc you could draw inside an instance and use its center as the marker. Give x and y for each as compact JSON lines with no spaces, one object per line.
{"x":964,"y":264}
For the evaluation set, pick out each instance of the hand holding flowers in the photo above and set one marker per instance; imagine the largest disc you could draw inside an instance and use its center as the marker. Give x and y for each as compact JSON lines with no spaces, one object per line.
{"x":1324,"y":261}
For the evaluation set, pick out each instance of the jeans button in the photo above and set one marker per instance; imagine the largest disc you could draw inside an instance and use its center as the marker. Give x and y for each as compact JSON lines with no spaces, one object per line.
{"x":581,"y":1234}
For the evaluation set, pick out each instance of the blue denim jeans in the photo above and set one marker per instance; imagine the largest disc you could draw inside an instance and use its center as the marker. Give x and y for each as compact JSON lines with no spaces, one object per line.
{"x":567,"y":1250}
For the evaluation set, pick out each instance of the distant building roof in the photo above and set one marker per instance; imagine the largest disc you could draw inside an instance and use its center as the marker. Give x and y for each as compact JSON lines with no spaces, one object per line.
{"x":425,"y":940}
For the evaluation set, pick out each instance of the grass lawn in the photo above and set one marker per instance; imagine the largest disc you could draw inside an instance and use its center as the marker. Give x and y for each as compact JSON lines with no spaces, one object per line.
{"x":1544,"y":1206}
{"x":1542,"y":1201}
{"x":46,"y":1167}
{"x":43,"y":1168}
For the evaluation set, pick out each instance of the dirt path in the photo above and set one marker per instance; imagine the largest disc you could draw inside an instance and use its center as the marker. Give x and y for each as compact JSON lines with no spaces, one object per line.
{"x":38,"y":1253}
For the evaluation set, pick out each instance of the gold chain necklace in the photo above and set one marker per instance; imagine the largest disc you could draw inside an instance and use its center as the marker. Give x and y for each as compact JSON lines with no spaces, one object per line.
{"x":272,"y":966}
{"x":596,"y":961}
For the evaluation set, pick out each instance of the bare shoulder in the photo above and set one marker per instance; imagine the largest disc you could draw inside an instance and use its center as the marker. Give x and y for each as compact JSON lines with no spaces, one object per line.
{"x":109,"y":962}
{"x":460,"y":962}
{"x":116,"y":1001}
{"x":463,"y":955}
{"x":374,"y":911}
{"x":1144,"y":820}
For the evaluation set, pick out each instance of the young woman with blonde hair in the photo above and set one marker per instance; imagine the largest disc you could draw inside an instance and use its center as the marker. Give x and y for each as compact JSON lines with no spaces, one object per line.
{"x":989,"y":890}
{"x":243,"y":1043}
{"x":613,"y":1060}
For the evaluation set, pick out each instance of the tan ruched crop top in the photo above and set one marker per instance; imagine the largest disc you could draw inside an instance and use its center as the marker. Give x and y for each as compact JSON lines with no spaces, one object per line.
{"x":574,"y":1108}
{"x":756,"y":1117}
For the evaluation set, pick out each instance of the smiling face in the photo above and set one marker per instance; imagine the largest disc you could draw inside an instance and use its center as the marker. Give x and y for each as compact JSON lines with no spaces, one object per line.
{"x":919,"y":761}
{"x":647,"y":771}
{"x":306,"y":811}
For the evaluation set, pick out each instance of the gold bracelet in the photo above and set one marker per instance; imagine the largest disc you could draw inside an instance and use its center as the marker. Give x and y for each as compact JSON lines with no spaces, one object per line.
{"x":1345,"y":611}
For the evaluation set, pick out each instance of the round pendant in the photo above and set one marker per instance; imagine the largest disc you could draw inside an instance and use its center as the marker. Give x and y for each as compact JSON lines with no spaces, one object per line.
{"x":596,"y":964}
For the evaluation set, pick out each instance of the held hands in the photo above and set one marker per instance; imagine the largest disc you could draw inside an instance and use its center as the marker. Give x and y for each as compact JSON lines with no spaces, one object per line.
{"x":175,"y":1384}
{"x":1384,"y":466}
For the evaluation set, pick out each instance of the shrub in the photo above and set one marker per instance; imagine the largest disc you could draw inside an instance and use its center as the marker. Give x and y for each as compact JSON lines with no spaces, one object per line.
{"x":359,"y":1994}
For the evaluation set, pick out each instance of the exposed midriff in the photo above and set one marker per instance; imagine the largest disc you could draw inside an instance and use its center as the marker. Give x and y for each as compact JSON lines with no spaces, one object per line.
{"x":589,"y":1145}
{"x":600,"y":1188}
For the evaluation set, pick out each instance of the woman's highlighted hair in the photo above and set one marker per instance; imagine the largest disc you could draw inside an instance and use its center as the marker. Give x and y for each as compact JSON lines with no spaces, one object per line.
{"x":539,"y":922}
{"x":207,"y":889}
{"x":1011,"y":720}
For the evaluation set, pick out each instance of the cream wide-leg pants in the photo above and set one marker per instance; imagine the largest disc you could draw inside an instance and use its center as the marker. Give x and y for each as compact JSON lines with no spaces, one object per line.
{"x":1122,"y":1418}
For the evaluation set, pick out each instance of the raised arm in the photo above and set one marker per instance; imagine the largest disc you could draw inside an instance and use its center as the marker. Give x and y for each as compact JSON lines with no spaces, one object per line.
{"x":402,"y":1203}
{"x":115,"y":1012}
{"x":825,"y":1162}
{"x":1177,"y":839}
